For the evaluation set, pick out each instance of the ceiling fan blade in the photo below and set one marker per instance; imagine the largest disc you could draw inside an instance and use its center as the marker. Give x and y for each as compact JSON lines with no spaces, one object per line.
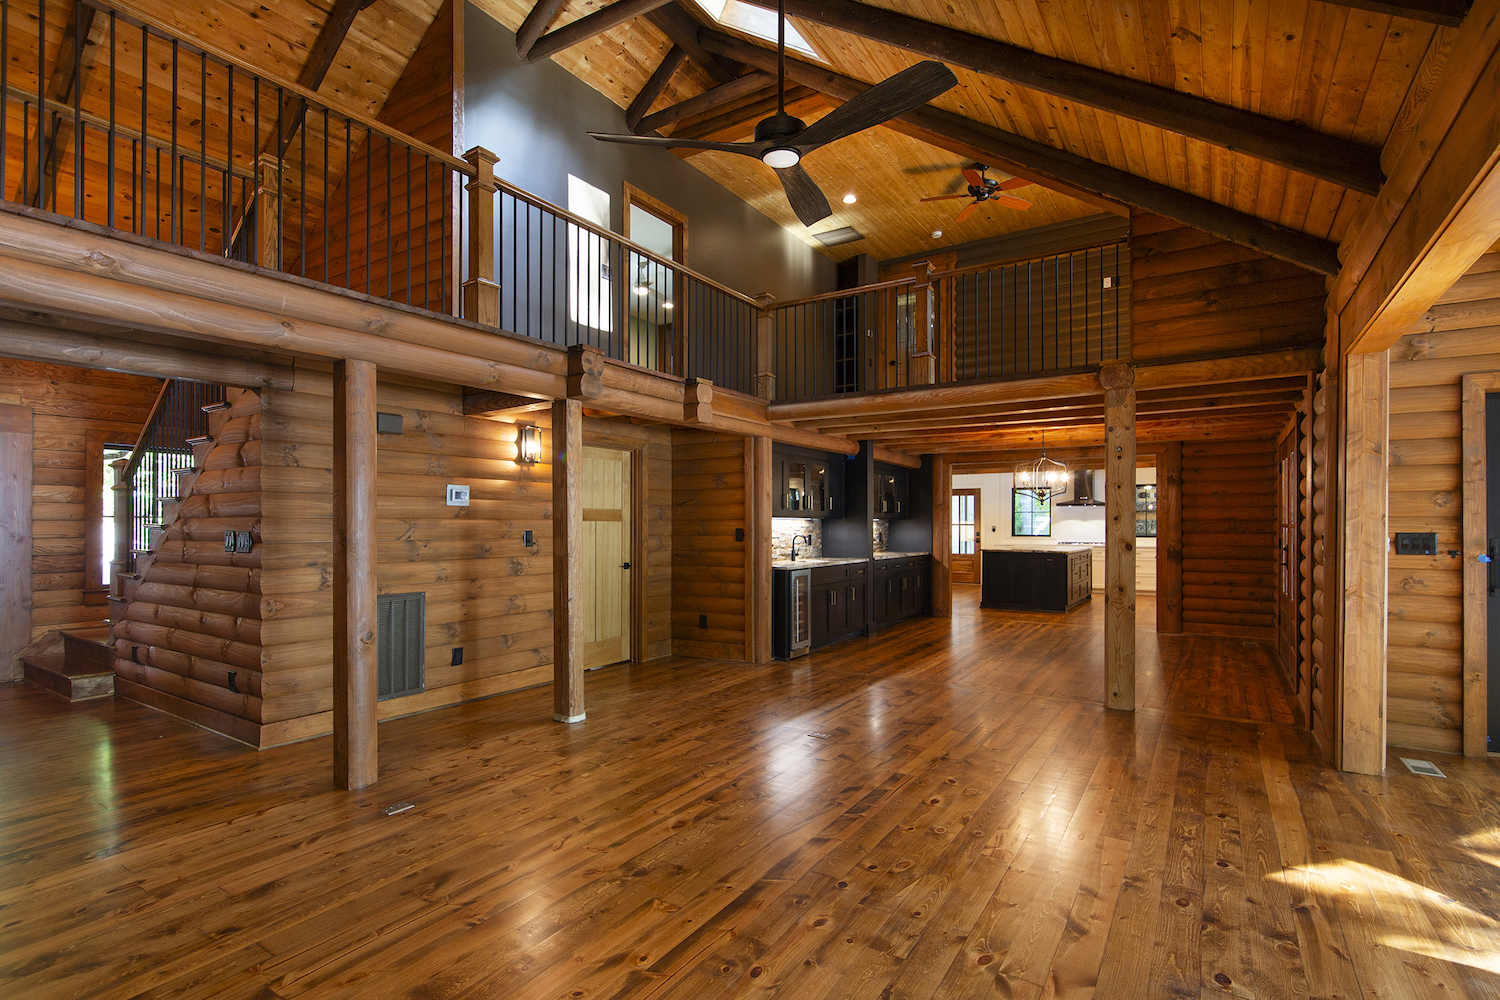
{"x":967,"y":211}
{"x":945,"y":197}
{"x":743,"y":148}
{"x":973,"y":176}
{"x":1010,"y":201}
{"x":804,"y":194}
{"x":1013,"y":183}
{"x":908,"y":89}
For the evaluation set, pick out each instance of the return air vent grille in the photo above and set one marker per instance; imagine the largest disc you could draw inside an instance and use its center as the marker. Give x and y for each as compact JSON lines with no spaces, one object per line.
{"x":835,"y":237}
{"x":400,"y":644}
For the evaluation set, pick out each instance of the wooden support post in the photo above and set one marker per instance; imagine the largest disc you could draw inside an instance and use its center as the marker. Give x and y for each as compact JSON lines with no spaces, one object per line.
{"x":120,"y":493}
{"x":268,"y":211}
{"x":17,"y":462}
{"x":567,"y":561}
{"x":1169,"y":539}
{"x":758,"y":486}
{"x":942,"y":537}
{"x":1366,"y":427}
{"x":1119,"y":536}
{"x":923,"y":368}
{"x":698,"y":401}
{"x":765,"y":337}
{"x":354,"y":683}
{"x":481,"y":293}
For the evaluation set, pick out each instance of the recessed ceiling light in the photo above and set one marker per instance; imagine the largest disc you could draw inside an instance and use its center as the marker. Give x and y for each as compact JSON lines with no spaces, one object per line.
{"x":850,"y":199}
{"x":937,"y":234}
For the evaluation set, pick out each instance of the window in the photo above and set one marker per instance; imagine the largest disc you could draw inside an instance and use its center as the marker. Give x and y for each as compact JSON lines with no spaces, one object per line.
{"x":652,"y":336}
{"x":1031,"y":517}
{"x":589,"y":291}
{"x":756,"y":21}
{"x":106,"y":538}
{"x":965,"y":514}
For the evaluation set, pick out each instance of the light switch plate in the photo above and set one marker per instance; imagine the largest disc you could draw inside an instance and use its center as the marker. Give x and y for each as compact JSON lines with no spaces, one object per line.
{"x":458,"y":496}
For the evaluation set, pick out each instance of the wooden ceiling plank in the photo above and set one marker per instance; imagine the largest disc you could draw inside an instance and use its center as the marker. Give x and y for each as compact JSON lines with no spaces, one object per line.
{"x":1345,"y":163}
{"x":682,"y":28}
{"x":536,"y":24}
{"x":654,"y":87}
{"x":1449,"y":13}
{"x":1048,"y":165}
{"x":597,"y":23}
{"x":709,"y":100}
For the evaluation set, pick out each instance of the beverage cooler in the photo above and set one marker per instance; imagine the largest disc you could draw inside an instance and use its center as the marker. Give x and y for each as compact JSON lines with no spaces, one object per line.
{"x":791,"y":613}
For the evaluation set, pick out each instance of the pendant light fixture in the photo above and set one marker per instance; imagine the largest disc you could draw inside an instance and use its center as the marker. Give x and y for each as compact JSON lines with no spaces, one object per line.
{"x":1043,"y":478}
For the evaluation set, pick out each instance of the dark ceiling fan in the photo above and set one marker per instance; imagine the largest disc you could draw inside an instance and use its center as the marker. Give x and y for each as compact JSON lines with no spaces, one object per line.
{"x":782,"y":140}
{"x":982,"y":189}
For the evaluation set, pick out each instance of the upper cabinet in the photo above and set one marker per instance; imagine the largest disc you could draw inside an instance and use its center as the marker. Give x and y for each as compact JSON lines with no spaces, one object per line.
{"x":892,"y":493}
{"x":808,"y":485}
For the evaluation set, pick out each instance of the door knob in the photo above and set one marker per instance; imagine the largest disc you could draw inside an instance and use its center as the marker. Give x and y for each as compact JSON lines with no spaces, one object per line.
{"x":625,"y":565}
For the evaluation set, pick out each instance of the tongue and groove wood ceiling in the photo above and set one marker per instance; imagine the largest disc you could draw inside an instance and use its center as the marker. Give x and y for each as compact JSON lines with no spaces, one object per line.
{"x":1353,"y":74}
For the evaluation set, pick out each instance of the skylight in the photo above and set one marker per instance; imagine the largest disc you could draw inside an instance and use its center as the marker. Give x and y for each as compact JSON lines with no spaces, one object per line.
{"x":757,"y":21}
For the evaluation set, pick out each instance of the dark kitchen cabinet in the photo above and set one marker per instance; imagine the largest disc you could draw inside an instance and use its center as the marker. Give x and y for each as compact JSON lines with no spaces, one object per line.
{"x":1036,"y":579}
{"x":838,"y":602}
{"x":808,"y":485}
{"x":899,"y":590}
{"x":892,"y":493}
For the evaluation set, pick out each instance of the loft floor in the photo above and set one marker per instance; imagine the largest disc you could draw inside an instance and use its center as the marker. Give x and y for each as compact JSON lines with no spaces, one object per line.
{"x":974,"y":824}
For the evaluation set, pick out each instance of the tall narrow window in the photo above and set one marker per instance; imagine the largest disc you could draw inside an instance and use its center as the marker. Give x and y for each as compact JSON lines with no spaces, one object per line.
{"x":589,"y":281}
{"x":965,"y":506}
{"x":653,"y":306}
{"x":106,"y":523}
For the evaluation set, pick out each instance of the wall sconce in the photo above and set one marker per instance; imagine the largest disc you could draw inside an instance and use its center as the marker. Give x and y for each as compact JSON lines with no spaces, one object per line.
{"x":529,"y":444}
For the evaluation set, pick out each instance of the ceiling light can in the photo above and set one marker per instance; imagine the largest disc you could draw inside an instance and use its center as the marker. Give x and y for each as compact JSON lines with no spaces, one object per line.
{"x":780,"y":157}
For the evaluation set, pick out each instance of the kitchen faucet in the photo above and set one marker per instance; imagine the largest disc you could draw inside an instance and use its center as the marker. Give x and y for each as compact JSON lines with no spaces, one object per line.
{"x":800,"y":538}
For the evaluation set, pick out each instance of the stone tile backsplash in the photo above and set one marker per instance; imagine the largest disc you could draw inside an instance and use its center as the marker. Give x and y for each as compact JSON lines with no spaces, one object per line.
{"x":784,"y":529}
{"x":881,"y":534}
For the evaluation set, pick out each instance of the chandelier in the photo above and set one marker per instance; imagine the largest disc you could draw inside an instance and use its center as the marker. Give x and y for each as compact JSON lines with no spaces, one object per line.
{"x":1043,"y":478}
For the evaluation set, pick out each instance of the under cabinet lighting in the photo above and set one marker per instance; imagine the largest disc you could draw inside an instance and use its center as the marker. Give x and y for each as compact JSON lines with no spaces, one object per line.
{"x":529,"y":444}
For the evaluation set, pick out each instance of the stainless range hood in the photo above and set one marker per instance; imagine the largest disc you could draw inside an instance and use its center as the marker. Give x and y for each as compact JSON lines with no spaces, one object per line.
{"x":1083,"y":491}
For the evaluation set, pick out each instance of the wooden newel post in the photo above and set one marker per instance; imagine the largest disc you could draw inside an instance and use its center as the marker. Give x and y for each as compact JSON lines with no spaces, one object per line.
{"x":268,"y":211}
{"x":765,"y":333}
{"x":354,"y":664}
{"x":481,"y":293}
{"x":122,"y":508}
{"x":567,"y":561}
{"x":923,"y":370}
{"x":1119,"y":536}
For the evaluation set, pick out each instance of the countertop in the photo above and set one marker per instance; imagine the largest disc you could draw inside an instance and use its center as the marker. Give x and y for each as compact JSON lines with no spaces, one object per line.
{"x":1050,"y":550}
{"x":812,"y":563}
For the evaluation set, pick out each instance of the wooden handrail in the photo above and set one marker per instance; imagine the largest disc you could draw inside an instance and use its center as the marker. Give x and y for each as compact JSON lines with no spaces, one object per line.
{"x":847,"y":293}
{"x":140,"y":439}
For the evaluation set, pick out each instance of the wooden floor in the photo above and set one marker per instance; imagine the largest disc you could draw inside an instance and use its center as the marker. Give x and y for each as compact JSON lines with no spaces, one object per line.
{"x":945,"y":810}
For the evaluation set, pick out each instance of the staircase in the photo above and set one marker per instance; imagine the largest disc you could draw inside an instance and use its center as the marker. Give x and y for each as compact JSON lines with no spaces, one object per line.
{"x":76,"y":665}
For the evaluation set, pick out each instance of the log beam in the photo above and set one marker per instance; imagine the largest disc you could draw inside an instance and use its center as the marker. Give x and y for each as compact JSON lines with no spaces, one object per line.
{"x":1050,"y":166}
{"x":682,"y":28}
{"x":65,"y":81}
{"x":1296,"y":147}
{"x":597,"y":23}
{"x":1169,"y":539}
{"x":709,"y":100}
{"x":1449,"y":13}
{"x":941,"y":588}
{"x":537,"y":21}
{"x":354,"y":577}
{"x":660,"y":77}
{"x":1119,"y":536}
{"x":567,"y":561}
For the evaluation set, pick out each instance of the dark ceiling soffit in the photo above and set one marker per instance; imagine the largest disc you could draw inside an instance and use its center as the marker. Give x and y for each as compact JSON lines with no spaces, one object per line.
{"x":1030,"y":158}
{"x":1339,"y":161}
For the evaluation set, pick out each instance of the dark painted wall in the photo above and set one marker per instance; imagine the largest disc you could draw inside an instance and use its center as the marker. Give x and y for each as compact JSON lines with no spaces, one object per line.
{"x":535,"y":117}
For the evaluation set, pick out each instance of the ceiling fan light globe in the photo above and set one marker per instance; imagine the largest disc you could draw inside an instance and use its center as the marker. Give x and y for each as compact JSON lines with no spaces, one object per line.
{"x":781,"y":157}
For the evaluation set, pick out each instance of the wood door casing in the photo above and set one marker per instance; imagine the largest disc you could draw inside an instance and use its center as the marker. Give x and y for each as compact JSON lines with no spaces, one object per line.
{"x":606,"y":544}
{"x":15,"y":536}
{"x":964,"y":567}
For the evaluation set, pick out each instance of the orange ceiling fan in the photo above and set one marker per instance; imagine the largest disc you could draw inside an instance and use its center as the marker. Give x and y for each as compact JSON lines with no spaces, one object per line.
{"x":983,"y":189}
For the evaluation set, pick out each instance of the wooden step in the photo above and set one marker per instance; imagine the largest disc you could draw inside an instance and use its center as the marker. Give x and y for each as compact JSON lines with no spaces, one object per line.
{"x":90,"y":648}
{"x":51,"y":672}
{"x":201,"y":447}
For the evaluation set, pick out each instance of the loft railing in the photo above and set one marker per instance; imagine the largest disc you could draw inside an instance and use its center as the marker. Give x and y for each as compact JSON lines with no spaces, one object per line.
{"x":1057,"y":313}
{"x":541,"y":271}
{"x":114,"y":122}
{"x":164,"y":450}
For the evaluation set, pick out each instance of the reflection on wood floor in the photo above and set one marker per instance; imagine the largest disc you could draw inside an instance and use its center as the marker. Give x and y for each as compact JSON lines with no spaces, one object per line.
{"x":943,"y":810}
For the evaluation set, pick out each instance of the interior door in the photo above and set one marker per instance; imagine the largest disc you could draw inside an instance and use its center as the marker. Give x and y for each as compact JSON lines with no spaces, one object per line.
{"x":965,"y":556}
{"x":606,"y":556}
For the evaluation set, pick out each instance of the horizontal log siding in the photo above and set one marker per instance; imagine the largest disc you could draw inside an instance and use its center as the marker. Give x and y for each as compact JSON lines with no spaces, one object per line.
{"x":1424,"y":644}
{"x":1229,"y":538}
{"x":1194,"y":294}
{"x":194,"y":615}
{"x":708,"y":564}
{"x":67,"y":404}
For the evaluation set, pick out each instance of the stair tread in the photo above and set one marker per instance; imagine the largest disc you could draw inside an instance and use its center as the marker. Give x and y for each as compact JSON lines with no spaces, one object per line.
{"x":53,"y":663}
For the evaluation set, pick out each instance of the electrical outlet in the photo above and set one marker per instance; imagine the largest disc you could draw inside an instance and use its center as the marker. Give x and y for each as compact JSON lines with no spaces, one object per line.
{"x":739,"y":534}
{"x":458,"y":656}
{"x":388,"y":423}
{"x":243,"y":541}
{"x":229,"y":541}
{"x":458,"y":496}
{"x":1416,"y":543}
{"x":703,"y":621}
{"x":527,"y":538}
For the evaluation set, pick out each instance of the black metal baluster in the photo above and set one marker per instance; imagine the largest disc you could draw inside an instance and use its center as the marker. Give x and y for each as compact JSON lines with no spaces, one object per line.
{"x":41,"y":105}
{"x":5,"y":87}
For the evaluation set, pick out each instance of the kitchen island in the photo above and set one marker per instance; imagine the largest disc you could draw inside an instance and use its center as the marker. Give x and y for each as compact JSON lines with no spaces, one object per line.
{"x":1040,"y":579}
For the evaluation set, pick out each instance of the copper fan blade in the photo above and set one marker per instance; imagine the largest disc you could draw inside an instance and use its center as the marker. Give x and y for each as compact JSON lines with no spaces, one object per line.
{"x":974,"y":177}
{"x":946,"y":197}
{"x":968,"y":210}
{"x":1010,"y":201}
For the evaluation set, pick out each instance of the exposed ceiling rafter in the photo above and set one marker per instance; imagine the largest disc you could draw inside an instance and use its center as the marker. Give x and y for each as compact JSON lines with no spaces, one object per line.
{"x":682,"y":28}
{"x":1296,"y":147}
{"x":660,"y":77}
{"x":537,"y":22}
{"x":1449,"y":13}
{"x":709,"y":100}
{"x":597,"y":23}
{"x":1048,"y":165}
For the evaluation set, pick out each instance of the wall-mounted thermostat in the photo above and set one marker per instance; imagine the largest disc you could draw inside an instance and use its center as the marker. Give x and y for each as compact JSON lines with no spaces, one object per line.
{"x":458,"y":496}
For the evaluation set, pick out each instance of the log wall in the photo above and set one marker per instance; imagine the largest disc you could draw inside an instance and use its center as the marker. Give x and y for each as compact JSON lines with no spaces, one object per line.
{"x":708,"y":564}
{"x":1229,"y":538}
{"x":1195,"y":294}
{"x":69,"y":407}
{"x":1457,"y":336}
{"x":189,"y":642}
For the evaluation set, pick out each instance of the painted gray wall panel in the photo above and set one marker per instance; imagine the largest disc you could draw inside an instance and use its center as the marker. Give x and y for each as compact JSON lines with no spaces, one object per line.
{"x":535,"y":118}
